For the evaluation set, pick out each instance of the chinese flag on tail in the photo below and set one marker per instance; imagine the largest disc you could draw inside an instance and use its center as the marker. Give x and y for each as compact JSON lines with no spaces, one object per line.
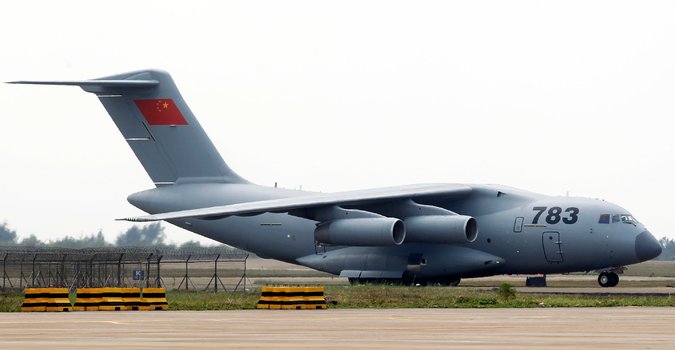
{"x":161,"y":111}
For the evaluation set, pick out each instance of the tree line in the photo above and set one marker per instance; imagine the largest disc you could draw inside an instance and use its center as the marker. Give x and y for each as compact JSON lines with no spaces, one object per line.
{"x":151,"y":235}
{"x":668,"y":246}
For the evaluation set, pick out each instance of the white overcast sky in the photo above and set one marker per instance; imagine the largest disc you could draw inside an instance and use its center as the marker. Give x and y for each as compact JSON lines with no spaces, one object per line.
{"x":548,"y":96}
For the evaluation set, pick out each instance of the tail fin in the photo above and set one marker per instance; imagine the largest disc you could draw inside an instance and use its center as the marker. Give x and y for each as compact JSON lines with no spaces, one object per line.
{"x":157,"y":124}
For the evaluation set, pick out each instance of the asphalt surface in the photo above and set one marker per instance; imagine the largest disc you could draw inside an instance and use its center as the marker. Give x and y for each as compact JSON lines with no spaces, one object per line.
{"x":545,"y":328}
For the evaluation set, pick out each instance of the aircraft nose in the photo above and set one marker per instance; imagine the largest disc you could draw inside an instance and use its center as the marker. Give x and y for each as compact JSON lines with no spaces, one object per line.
{"x":646,"y":246}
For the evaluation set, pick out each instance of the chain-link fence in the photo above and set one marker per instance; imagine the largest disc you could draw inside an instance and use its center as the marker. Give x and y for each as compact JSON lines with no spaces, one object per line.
{"x":224,"y":268}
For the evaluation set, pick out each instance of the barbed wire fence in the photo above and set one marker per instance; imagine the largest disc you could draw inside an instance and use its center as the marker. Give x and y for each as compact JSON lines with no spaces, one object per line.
{"x":223,"y":267}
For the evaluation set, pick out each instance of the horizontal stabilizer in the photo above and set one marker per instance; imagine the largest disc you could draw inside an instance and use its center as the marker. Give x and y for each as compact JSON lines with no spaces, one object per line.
{"x":92,"y":85}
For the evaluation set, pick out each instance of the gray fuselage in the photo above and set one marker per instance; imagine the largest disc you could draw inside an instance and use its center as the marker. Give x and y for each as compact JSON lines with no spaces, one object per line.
{"x":566,"y":236}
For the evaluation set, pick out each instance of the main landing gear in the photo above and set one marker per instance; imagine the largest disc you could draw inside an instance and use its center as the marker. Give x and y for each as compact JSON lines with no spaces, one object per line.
{"x":608,"y":279}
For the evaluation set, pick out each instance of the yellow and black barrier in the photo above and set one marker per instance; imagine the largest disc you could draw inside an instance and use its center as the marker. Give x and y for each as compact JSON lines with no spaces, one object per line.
{"x":154,"y":299}
{"x":285,"y":297}
{"x":111,"y":300}
{"x":46,"y":299}
{"x":95,"y":299}
{"x":88,"y":299}
{"x":131,"y":297}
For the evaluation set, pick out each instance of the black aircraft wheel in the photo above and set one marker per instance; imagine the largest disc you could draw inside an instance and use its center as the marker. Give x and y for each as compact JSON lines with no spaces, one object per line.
{"x":613,"y":279}
{"x":606,"y":279}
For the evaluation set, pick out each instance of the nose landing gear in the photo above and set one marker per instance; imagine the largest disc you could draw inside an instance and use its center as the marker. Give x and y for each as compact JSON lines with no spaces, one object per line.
{"x":608,"y":279}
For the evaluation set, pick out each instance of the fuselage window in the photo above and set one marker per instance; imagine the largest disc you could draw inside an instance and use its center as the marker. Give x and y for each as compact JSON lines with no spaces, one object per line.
{"x":604,"y":219}
{"x":616,"y":218}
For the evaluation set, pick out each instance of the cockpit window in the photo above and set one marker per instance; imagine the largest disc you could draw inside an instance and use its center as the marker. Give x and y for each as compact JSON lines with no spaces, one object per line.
{"x":625,"y":218}
{"x":628,"y":219}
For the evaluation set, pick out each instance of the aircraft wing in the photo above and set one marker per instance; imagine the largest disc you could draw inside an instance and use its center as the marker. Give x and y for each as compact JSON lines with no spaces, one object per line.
{"x":316,"y":202}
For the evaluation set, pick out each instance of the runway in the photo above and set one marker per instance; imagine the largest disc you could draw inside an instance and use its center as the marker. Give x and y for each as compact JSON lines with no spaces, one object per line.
{"x":550,"y":328}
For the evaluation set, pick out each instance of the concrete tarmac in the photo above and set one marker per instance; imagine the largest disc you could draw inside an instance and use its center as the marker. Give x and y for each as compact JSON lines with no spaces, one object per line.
{"x":545,"y":328}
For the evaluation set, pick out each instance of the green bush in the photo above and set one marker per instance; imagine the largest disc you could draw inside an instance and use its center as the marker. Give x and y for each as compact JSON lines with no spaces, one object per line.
{"x":506,"y":291}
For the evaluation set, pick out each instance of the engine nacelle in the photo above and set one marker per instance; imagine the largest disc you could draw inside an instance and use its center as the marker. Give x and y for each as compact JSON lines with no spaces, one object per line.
{"x":441,"y":229}
{"x":361,"y":232}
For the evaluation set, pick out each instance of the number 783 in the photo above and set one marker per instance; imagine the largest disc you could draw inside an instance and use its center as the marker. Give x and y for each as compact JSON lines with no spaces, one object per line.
{"x":554,"y":215}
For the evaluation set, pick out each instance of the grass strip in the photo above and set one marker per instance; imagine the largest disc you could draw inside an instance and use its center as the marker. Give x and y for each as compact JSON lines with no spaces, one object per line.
{"x":388,"y":296}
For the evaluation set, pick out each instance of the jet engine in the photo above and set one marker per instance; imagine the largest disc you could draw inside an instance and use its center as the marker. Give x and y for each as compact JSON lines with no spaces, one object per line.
{"x":441,"y":229}
{"x":361,"y":232}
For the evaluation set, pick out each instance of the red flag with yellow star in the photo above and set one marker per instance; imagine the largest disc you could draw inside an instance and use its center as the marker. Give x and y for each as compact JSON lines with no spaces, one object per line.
{"x":161,"y":111}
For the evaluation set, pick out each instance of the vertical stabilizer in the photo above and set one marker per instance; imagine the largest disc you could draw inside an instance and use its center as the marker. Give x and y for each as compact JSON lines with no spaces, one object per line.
{"x":158,"y":125}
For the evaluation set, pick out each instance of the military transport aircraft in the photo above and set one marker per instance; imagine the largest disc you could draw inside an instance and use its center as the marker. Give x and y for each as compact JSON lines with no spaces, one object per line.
{"x":422,"y":234}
